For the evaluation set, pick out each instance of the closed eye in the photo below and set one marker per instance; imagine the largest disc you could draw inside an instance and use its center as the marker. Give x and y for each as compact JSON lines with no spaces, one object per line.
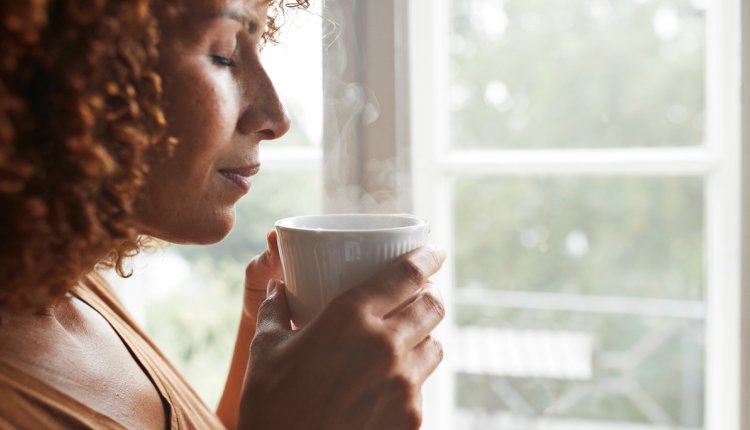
{"x":222,"y":61}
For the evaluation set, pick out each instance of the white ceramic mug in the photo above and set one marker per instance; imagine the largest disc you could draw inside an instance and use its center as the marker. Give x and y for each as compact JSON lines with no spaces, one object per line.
{"x":324,"y":255}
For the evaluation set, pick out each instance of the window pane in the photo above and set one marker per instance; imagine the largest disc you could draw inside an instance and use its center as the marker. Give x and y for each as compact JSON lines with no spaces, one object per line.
{"x":644,"y":371}
{"x":295,"y":66}
{"x":579,"y":302}
{"x":577,"y":73}
{"x":611,"y":236}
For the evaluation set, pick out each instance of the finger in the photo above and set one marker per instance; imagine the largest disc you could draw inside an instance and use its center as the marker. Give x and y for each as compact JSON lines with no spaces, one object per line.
{"x":401,"y":280}
{"x":425,"y":358}
{"x":414,"y":322}
{"x":273,"y":315}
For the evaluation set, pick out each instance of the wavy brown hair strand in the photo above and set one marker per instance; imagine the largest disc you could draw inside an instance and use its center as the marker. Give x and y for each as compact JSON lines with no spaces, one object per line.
{"x":79,"y":110}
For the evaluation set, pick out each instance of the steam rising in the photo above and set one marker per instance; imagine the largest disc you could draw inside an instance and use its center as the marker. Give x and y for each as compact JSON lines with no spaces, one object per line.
{"x":358,"y":176}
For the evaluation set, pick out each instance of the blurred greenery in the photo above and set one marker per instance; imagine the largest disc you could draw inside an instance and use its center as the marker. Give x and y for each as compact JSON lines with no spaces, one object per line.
{"x":530,"y":74}
{"x":584,"y":235}
{"x":196,"y":327}
{"x":577,"y":73}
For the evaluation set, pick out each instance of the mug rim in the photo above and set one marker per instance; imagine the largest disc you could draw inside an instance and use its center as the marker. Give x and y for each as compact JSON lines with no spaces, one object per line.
{"x":284,"y":223}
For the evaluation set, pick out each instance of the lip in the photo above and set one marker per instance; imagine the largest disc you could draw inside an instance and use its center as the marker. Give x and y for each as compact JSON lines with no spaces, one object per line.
{"x":240,"y":176}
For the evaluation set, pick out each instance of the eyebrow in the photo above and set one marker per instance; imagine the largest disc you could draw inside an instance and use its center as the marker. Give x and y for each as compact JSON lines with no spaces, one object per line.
{"x":236,"y":15}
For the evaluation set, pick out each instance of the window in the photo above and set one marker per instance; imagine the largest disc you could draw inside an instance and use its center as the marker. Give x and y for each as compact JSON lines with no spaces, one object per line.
{"x":580,"y":159}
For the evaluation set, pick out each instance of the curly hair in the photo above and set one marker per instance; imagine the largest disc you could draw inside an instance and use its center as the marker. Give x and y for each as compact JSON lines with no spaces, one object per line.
{"x":80,"y":118}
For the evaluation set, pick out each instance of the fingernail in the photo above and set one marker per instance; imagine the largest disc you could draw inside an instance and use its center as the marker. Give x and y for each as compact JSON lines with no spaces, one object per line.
{"x":271,"y":287}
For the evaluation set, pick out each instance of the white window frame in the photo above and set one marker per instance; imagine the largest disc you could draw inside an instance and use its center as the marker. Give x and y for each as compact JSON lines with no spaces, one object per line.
{"x":397,"y":50}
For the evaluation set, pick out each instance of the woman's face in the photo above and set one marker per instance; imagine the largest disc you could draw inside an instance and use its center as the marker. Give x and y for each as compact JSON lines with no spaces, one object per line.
{"x":220,"y":104}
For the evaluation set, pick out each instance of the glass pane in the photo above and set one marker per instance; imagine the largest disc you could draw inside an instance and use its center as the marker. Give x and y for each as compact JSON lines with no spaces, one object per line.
{"x":642,"y":371}
{"x":577,"y":73}
{"x":609,"y":236}
{"x":589,"y":307}
{"x":295,"y":66}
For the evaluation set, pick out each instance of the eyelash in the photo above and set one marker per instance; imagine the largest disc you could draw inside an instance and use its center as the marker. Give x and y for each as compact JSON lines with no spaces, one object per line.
{"x":223,"y":61}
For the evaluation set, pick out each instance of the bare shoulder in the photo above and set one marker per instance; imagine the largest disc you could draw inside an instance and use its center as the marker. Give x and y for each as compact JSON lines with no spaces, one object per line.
{"x":74,"y":352}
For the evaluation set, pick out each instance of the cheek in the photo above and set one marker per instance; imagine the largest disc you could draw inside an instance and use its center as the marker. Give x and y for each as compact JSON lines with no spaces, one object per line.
{"x":218,"y":108}
{"x":228,"y":97}
{"x":204,"y":118}
{"x":214,"y":108}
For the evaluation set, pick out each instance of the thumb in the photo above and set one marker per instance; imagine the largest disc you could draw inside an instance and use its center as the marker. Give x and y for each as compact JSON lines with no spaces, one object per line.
{"x":273,"y":315}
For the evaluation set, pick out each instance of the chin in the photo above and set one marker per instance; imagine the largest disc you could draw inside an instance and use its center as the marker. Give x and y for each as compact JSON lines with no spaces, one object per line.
{"x":207,"y":233}
{"x":194,"y":231}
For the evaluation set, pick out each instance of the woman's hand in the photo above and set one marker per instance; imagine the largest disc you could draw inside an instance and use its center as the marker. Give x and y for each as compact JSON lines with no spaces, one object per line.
{"x":359,"y":365}
{"x":259,"y":271}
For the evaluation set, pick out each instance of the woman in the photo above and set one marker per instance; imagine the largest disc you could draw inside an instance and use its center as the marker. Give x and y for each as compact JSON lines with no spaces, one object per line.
{"x":123,"y":119}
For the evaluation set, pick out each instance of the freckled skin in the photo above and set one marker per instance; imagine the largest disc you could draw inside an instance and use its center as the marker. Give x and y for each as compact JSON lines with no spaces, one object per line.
{"x":220,"y":113}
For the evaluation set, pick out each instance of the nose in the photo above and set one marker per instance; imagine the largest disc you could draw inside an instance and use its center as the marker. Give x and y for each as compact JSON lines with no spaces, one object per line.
{"x":265,"y":115}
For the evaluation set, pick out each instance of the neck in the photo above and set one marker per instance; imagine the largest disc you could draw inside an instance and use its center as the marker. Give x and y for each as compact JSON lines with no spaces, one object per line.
{"x":14,"y":314}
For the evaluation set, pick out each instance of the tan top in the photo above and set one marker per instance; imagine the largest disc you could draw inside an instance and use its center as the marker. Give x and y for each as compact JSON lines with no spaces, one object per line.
{"x":29,"y":403}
